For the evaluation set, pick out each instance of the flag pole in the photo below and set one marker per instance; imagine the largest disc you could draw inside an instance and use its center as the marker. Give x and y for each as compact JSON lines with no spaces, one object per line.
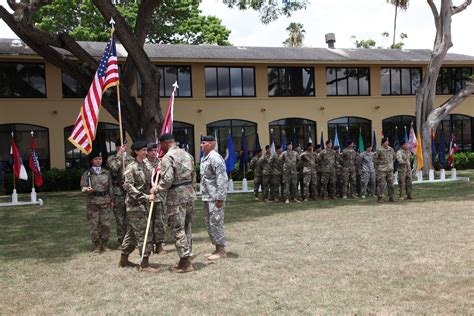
{"x":32,"y":172}
{"x":14,"y":183}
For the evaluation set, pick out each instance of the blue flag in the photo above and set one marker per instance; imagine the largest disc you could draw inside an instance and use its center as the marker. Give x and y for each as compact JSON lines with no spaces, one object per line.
{"x":294,"y":141}
{"x":336,"y":140}
{"x":347,"y":137}
{"x":406,"y":135}
{"x":257,"y":144}
{"x":433,"y":148}
{"x":272,"y":144}
{"x":230,"y":157}
{"x":283,"y":140}
{"x":201,"y":153}
{"x":244,"y":154}
{"x":322,"y":141}
{"x":374,"y":142}
{"x":396,"y":147}
{"x":442,"y":150}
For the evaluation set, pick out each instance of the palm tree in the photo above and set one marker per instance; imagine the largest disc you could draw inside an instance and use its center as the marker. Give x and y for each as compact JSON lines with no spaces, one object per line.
{"x":296,"y":35}
{"x":398,"y":4}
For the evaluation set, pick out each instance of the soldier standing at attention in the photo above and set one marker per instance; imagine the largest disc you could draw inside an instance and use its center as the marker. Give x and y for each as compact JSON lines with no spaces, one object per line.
{"x":96,"y":183}
{"x":277,"y":173}
{"x":137,"y":185}
{"x":290,"y":174}
{"x":267,"y":167}
{"x":214,"y":191}
{"x":348,"y":162}
{"x":177,"y":180}
{"x":308,"y":158}
{"x":404,"y":171}
{"x":299,"y":167}
{"x":317,"y":151}
{"x":114,"y":163}
{"x":256,"y":166}
{"x":327,"y":163}
{"x":159,"y":228}
{"x":384,"y":162}
{"x":367,"y":172}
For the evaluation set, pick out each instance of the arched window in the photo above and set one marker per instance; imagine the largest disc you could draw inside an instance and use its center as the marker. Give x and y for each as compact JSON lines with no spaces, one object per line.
{"x":107,"y":134}
{"x":395,"y":126}
{"x":235,"y":127}
{"x":348,"y":128}
{"x":184,"y":135}
{"x":297,"y":131}
{"x":461,"y":127}
{"x":22,"y":133}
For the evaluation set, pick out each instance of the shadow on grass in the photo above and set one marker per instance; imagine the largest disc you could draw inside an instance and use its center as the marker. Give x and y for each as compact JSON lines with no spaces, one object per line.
{"x":59,"y":228}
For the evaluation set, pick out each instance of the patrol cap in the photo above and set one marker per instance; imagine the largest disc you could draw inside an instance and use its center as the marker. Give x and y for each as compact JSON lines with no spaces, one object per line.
{"x":297,"y":145}
{"x":151,"y":146}
{"x":317,"y":146}
{"x":403,"y":142}
{"x":336,"y":147}
{"x":368,"y":145}
{"x":94,"y":154}
{"x":349,"y":142}
{"x":309,"y":145}
{"x":328,"y":142}
{"x":384,"y":140}
{"x":267,"y":147}
{"x":259,"y":150}
{"x":139,"y":144}
{"x":166,"y":136}
{"x":208,"y":138}
{"x":278,"y":146}
{"x":118,"y":143}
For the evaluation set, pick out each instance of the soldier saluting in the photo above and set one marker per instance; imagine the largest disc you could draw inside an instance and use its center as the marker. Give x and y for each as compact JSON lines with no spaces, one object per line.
{"x":96,"y":183}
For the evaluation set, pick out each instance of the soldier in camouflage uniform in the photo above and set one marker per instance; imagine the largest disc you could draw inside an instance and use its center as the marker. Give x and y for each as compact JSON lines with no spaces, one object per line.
{"x":299,"y":168}
{"x":404,"y":171}
{"x":159,"y":228}
{"x":384,"y":165}
{"x":327,"y":162}
{"x":267,"y":169}
{"x":137,"y":185}
{"x":177,"y":181}
{"x":257,"y":167}
{"x":96,"y":183}
{"x":348,"y":162}
{"x":277,"y":174}
{"x":290,"y":174}
{"x":114,"y":163}
{"x":308,"y":159}
{"x":214,"y":190}
{"x":367,"y":172}
{"x":317,"y":151}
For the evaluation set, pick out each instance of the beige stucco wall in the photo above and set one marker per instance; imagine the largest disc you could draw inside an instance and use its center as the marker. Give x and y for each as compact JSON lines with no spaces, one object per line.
{"x":55,"y":113}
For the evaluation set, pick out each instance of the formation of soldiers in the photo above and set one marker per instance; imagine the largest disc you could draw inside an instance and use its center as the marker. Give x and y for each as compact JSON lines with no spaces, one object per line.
{"x":331,"y":173}
{"x":138,"y":183}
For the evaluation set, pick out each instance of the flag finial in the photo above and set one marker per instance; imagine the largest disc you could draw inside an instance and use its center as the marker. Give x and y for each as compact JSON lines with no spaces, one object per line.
{"x":175,"y":85}
{"x":32,"y":133}
{"x":112,"y":22}
{"x":13,"y":134}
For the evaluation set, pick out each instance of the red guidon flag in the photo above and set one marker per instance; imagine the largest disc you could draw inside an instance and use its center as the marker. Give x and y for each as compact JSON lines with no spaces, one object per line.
{"x":18,"y":167}
{"x":106,"y":76}
{"x":34,"y":164}
{"x":167,"y":126}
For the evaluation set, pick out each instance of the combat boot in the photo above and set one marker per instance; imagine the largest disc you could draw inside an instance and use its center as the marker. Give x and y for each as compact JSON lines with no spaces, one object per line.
{"x":124,"y":262}
{"x":400,"y":197}
{"x":159,"y":249}
{"x":409,"y":197}
{"x":391,"y":199}
{"x":379,"y":199}
{"x":185,"y":265}
{"x":146,"y":267}
{"x":210,"y":254}
{"x":296,"y":200}
{"x":287,"y":201}
{"x":220,"y":253}
{"x":105,"y":247}
{"x":97,"y":247}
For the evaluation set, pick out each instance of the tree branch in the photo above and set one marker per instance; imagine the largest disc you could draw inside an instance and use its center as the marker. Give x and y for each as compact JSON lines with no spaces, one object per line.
{"x":435,"y":12}
{"x":462,"y":7}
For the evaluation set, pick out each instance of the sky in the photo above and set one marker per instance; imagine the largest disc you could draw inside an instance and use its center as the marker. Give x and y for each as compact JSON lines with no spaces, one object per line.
{"x":345,"y":18}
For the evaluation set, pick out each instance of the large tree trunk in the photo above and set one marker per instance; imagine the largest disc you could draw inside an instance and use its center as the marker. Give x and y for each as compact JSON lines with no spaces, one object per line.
{"x":145,"y":116}
{"x":428,"y":118}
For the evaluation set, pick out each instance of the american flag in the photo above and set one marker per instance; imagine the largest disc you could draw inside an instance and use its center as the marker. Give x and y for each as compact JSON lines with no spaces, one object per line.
{"x":106,"y":76}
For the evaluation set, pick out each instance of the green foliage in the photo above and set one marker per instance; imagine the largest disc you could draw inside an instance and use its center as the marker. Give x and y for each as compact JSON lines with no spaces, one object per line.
{"x":269,"y":10}
{"x":370,"y":43}
{"x":296,"y":35}
{"x":173,"y":22}
{"x":53,"y":180}
{"x":464,"y":160}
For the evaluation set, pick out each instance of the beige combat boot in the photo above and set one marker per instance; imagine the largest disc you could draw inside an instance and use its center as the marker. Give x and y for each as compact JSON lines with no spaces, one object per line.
{"x":97,"y":247}
{"x":220,"y":253}
{"x":159,"y":249}
{"x":185,"y":265}
{"x":105,"y":246}
{"x":146,"y":267}
{"x":124,"y":262}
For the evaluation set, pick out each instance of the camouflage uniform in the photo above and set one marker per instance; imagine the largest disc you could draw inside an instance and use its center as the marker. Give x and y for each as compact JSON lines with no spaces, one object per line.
{"x":338,"y":175}
{"x":114,"y":163}
{"x":98,"y":203}
{"x":277,"y":176}
{"x":290,"y":174}
{"x":404,"y":172}
{"x":348,"y":162}
{"x":327,"y":163}
{"x":308,"y":160}
{"x":137,"y":185}
{"x":159,"y":223}
{"x":257,"y":167}
{"x":214,"y":187}
{"x":300,"y":181}
{"x":267,"y":167}
{"x":177,"y":180}
{"x":367,"y":173}
{"x":384,"y":164}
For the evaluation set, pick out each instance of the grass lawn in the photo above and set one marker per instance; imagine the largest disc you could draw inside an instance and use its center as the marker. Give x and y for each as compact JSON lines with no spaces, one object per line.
{"x":324,"y":257}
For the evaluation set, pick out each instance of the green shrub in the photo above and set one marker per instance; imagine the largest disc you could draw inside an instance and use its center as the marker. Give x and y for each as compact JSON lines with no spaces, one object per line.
{"x":464,"y":160}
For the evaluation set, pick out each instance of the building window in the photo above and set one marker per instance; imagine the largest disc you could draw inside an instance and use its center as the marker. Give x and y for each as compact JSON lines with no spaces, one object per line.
{"x":22,"y":133}
{"x":294,"y":130}
{"x":395,"y":127}
{"x":461,"y":127}
{"x":221,"y":129}
{"x":400,"y":81}
{"x":22,"y":80}
{"x":290,"y":81}
{"x":184,"y":135}
{"x":347,"y":81}
{"x":168,"y":76}
{"x":72,"y":88}
{"x":452,"y":80}
{"x":107,"y":135}
{"x":348,"y":128}
{"x":230,"y":81}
